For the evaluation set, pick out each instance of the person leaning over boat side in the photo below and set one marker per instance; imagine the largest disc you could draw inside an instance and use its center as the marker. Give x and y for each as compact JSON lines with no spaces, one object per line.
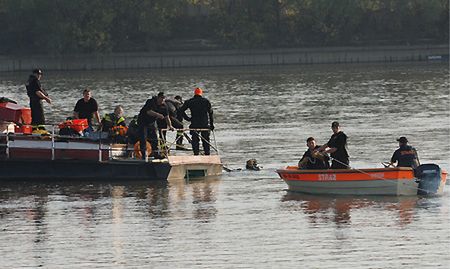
{"x":171,"y":106}
{"x":405,"y":155}
{"x":337,"y":147}
{"x":312,"y":159}
{"x":201,"y":115}
{"x":36,"y":94}
{"x":179,"y":120}
{"x":152,"y":111}
{"x":87,"y":107}
{"x":114,"y":123}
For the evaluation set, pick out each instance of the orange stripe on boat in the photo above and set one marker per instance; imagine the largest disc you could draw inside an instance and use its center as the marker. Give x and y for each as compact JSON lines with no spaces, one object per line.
{"x":293,"y":173}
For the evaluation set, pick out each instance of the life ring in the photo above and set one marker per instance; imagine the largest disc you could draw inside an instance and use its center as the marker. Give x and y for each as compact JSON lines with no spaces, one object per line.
{"x":137,"y":150}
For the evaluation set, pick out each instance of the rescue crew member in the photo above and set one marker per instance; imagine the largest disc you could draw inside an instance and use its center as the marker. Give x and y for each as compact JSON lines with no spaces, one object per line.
{"x":36,"y":94}
{"x":86,"y":108}
{"x":133,"y":131}
{"x":201,"y":118}
{"x":405,"y":155}
{"x":176,"y":118}
{"x":171,"y":106}
{"x":337,"y":147}
{"x":153,"y":110}
{"x":114,"y":124}
{"x":113,"y":119}
{"x":313,"y":159}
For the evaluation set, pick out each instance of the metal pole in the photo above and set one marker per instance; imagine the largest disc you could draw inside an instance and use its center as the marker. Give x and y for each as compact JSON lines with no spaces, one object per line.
{"x":53,"y":142}
{"x":99,"y":149}
{"x":215,"y":143}
{"x":7,"y":145}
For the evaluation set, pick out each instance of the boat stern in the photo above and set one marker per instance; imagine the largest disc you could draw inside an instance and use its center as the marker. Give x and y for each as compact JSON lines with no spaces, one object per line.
{"x":194,"y":166}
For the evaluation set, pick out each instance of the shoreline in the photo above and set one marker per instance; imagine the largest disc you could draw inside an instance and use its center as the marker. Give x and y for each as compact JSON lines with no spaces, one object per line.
{"x":228,"y":58}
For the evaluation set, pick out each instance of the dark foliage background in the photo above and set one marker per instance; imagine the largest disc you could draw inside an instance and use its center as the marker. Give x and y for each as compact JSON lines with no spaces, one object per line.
{"x":104,"y":26}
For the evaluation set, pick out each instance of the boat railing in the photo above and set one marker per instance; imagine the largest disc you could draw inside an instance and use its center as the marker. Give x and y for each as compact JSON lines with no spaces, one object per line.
{"x":167,"y":142}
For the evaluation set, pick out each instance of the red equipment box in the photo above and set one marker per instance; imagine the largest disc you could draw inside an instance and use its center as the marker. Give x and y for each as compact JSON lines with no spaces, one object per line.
{"x":24,"y":129}
{"x":77,"y":124}
{"x":15,"y":113}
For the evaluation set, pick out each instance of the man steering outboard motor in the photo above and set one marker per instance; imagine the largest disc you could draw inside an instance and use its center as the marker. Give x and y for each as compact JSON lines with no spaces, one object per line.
{"x":429,"y":178}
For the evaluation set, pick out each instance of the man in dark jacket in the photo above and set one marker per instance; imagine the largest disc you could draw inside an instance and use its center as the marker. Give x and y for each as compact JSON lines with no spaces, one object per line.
{"x":36,"y":94}
{"x":153,"y":110}
{"x":87,"y":108}
{"x":176,"y":118}
{"x":201,"y":118}
{"x":337,"y":147}
{"x":312,"y":159}
{"x":405,"y":156}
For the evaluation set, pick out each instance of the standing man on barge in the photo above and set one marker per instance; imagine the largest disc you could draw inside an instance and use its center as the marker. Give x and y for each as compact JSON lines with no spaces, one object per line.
{"x":86,"y":108}
{"x":36,"y":94}
{"x":201,"y":118}
{"x":153,"y":110}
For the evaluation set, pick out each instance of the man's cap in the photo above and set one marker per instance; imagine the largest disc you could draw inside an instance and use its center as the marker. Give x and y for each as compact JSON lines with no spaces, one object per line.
{"x":402,"y":140}
{"x":198,"y":91}
{"x":334,"y":124}
{"x":37,"y":71}
{"x":161,"y":94}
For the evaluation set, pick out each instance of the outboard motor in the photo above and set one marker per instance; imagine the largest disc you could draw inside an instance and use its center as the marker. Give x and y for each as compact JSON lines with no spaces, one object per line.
{"x":429,"y":177}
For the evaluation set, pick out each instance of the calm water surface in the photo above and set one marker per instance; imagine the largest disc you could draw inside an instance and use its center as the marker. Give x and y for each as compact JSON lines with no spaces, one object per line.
{"x":244,"y":219}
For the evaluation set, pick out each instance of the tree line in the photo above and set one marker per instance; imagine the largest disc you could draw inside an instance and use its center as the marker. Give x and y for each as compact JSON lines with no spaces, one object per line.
{"x":104,"y":26}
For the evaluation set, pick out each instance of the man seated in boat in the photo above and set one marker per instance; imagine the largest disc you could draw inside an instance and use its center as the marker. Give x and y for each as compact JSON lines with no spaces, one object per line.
{"x":312,"y":159}
{"x":405,"y":155}
{"x":114,"y":124}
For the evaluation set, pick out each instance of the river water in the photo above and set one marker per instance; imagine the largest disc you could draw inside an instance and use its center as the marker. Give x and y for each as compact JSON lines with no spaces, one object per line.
{"x":244,"y":219}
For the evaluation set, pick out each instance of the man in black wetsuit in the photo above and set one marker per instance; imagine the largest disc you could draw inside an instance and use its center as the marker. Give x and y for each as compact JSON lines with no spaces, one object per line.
{"x":201,"y":118}
{"x":337,"y":147}
{"x":153,"y":110}
{"x":36,"y":94}
{"x":312,"y":159}
{"x":405,"y":155}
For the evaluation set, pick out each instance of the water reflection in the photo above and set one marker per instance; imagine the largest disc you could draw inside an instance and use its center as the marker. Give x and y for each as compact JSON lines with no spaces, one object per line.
{"x":88,"y":200}
{"x":339,"y":209}
{"x":202,"y":193}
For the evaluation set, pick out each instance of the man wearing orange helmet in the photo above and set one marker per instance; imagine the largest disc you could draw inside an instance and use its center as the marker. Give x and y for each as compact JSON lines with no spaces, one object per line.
{"x":201,"y":118}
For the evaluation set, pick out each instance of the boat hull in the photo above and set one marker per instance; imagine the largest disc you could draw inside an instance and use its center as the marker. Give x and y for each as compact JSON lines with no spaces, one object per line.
{"x":383,"y":181}
{"x":78,"y":169}
{"x":194,"y":166}
{"x":41,"y":157}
